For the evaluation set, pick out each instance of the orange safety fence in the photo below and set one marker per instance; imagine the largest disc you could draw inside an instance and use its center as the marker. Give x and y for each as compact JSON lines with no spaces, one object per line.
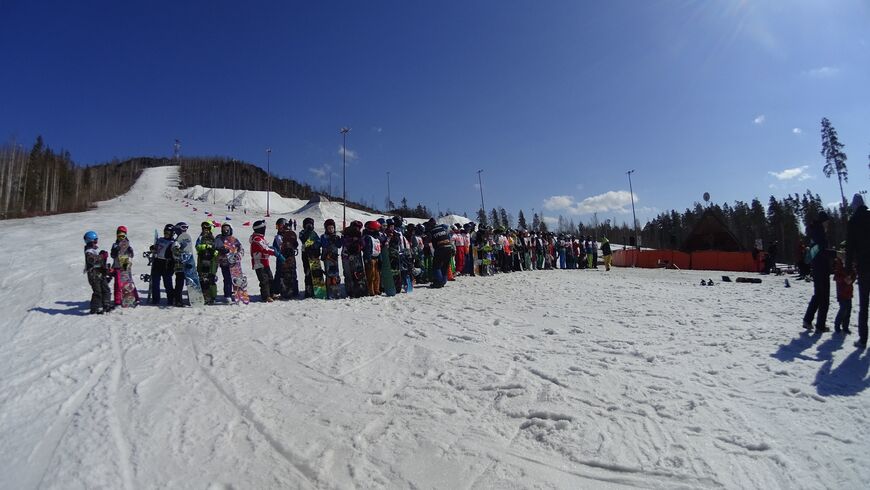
{"x":706,"y":260}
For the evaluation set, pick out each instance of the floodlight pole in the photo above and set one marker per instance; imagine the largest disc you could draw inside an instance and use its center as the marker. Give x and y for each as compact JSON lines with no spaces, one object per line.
{"x":480,"y":185}
{"x":268,"y":171}
{"x":344,"y":132}
{"x":633,"y":215}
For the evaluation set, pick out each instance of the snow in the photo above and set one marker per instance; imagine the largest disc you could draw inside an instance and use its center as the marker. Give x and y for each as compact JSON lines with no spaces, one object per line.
{"x":566,"y":379}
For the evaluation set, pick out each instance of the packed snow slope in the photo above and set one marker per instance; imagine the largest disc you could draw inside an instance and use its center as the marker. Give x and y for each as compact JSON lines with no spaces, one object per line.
{"x":562,"y":379}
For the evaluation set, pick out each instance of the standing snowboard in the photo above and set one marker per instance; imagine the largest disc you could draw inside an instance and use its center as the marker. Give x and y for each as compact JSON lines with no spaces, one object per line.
{"x":129,"y":294}
{"x":316,"y":271}
{"x":388,"y":283}
{"x":240,"y":281}
{"x":187,"y":256}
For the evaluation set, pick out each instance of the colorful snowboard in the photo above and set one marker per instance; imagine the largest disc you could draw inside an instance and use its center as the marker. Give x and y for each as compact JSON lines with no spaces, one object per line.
{"x":240,"y":281}
{"x":357,"y":287}
{"x":316,"y":271}
{"x":191,"y":278}
{"x":129,"y":293}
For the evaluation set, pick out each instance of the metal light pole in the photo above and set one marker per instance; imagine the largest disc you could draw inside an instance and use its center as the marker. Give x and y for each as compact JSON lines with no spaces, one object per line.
{"x":344,"y":132}
{"x":633,"y":216}
{"x":389,"y":201}
{"x":480,"y":185}
{"x":213,"y":184}
{"x":268,"y":171}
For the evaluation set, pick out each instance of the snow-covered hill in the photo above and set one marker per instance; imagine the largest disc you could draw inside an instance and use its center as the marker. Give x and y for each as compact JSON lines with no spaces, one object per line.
{"x":566,"y":379}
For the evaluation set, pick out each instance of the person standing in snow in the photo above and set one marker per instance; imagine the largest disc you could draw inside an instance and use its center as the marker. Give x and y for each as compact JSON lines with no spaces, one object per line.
{"x":97,"y":271}
{"x":120,"y":235}
{"x":285,"y":270}
{"x":371,"y":257}
{"x":606,"y":253}
{"x":440,"y":239}
{"x":178,"y":229}
{"x":330,"y":244}
{"x":310,"y":242}
{"x":221,"y":243}
{"x":260,"y":253}
{"x":280,"y":224}
{"x":162,"y":265}
{"x":206,"y":263}
{"x":820,"y":260}
{"x":843,"y":278}
{"x":858,"y":259}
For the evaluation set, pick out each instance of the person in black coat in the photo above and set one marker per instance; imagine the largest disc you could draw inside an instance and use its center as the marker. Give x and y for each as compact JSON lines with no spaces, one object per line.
{"x":439,"y":237}
{"x":858,"y":259}
{"x":820,"y":259}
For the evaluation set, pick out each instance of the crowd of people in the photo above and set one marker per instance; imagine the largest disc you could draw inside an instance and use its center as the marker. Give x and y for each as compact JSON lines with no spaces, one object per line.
{"x":393,"y":256}
{"x":848,"y":262}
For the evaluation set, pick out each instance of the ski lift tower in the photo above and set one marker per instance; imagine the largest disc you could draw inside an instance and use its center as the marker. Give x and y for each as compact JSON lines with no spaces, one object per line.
{"x":176,"y":152}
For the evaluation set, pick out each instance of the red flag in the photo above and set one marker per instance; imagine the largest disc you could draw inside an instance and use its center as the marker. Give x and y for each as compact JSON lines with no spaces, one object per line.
{"x":246,"y":223}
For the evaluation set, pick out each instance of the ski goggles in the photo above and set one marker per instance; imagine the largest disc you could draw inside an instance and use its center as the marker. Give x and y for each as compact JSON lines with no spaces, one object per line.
{"x":121,"y":235}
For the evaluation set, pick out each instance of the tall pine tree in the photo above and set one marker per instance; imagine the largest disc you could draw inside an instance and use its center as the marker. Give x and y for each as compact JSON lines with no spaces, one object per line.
{"x":835,"y":158}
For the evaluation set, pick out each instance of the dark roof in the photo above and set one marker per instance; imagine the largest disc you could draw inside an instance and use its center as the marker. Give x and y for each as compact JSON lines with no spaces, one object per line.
{"x":711,"y":233}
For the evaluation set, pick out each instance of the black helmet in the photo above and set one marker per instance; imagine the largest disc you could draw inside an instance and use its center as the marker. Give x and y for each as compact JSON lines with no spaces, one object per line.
{"x":281,"y":222}
{"x":180,"y":227}
{"x":206,"y":225}
{"x":169,"y":228}
{"x":397,"y":220}
{"x":308,"y":223}
{"x":259,"y":226}
{"x":227,"y":229}
{"x":329,"y":222}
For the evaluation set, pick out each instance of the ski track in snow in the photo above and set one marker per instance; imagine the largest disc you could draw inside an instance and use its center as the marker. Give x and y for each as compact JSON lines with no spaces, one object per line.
{"x":565,"y":379}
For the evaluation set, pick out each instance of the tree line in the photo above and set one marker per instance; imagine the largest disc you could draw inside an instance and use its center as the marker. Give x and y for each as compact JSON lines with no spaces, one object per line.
{"x":40,"y":181}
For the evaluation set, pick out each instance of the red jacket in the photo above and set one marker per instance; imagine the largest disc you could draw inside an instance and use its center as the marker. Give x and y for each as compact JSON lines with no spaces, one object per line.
{"x":843,"y":279}
{"x":260,"y":252}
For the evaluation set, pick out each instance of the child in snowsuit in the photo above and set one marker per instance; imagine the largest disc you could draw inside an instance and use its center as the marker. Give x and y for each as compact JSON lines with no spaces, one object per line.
{"x":310,"y":251}
{"x":286,"y":267}
{"x":120,"y":260}
{"x":605,"y":251}
{"x":206,"y":264}
{"x":97,"y":271}
{"x":280,"y":225}
{"x":162,"y":265}
{"x":371,"y":257}
{"x":844,"y":280}
{"x":222,"y":243}
{"x":330,"y":243}
{"x":260,"y":252}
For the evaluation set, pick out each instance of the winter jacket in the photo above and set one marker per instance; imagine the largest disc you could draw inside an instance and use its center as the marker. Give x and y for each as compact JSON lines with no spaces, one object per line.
{"x":260,"y":252}
{"x":220,"y":244}
{"x":605,"y":249}
{"x":330,"y":245}
{"x":820,"y":256}
{"x":116,"y":250}
{"x":163,"y":248}
{"x":858,"y":241}
{"x":95,"y":260}
{"x":371,"y":247}
{"x":310,"y":244}
{"x":844,"y":280}
{"x":439,"y":237}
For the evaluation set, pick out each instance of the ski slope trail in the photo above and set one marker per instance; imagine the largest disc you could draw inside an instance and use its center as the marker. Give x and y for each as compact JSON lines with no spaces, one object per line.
{"x":553,"y":379}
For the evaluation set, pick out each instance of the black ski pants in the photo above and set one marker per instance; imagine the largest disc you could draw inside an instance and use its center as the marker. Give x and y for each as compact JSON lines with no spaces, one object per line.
{"x":264,"y":275}
{"x":228,"y":281}
{"x":863,"y":297}
{"x":161,"y":270}
{"x":440,"y":264}
{"x":821,"y":299}
{"x":101,"y":297}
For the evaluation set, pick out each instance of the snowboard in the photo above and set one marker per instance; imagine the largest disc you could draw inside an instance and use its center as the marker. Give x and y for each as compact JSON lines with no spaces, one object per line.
{"x":207,"y":269}
{"x":407,"y":261}
{"x":287,"y":272}
{"x":240,"y":281}
{"x":316,"y":271}
{"x":129,"y":293}
{"x":388,"y":284}
{"x":357,"y":274}
{"x":187,"y":256}
{"x":333,"y":280}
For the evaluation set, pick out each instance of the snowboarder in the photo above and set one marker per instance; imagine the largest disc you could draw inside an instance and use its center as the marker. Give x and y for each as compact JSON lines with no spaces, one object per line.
{"x":98,"y":275}
{"x":260,"y":253}
{"x":372,"y":257}
{"x":206,"y":264}
{"x":280,"y":224}
{"x":120,"y":235}
{"x":285,"y":269}
{"x":352,"y":260}
{"x":440,"y":240}
{"x":606,"y":253}
{"x":221,"y":243}
{"x":309,"y":252}
{"x":162,"y":265}
{"x":858,"y":259}
{"x":330,"y":243}
{"x":178,"y":263}
{"x":820,"y":259}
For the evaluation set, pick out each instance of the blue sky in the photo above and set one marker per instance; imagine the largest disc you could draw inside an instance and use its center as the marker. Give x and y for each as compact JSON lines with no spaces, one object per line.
{"x":555,"y":101}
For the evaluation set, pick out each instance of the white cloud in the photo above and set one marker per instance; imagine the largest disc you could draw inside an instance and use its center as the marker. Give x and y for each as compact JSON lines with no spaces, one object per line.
{"x":823,"y":72}
{"x":378,"y":129}
{"x":791,"y":173}
{"x":610,"y":201}
{"x":797,"y":131}
{"x":322,"y":172}
{"x":351,"y":155}
{"x":759,"y":119}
